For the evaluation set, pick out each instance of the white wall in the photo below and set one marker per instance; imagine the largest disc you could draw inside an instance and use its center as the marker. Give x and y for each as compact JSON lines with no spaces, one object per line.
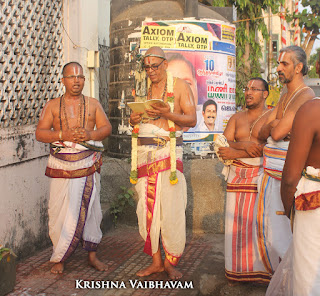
{"x":104,"y":22}
{"x":24,"y":190}
{"x":87,"y":25}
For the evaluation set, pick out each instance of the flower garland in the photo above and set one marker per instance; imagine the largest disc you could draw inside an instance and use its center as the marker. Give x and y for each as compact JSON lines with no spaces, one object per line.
{"x":172,"y":130}
{"x":134,"y":155}
{"x":135,"y":133}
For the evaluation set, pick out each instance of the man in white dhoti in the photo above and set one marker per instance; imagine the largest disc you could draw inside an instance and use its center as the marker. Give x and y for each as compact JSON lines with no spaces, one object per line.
{"x":74,"y":125}
{"x":242,"y":260}
{"x":274,"y":232}
{"x":157,"y":165}
{"x":299,"y":273}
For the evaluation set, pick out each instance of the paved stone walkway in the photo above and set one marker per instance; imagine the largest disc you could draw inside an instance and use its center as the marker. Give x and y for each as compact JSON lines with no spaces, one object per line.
{"x":122,"y":249}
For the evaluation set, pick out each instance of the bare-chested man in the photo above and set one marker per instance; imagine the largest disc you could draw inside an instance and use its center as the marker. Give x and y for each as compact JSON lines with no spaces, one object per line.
{"x":242,"y":261}
{"x":274,"y":231}
{"x":304,"y":158}
{"x":161,"y":205}
{"x":74,"y":125}
{"x":298,"y":273}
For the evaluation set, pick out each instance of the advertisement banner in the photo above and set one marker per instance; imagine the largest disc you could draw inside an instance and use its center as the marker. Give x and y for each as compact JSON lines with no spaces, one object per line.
{"x":203,"y":53}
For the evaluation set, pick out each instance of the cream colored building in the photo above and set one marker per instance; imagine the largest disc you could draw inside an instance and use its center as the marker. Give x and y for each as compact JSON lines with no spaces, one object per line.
{"x":277,"y":34}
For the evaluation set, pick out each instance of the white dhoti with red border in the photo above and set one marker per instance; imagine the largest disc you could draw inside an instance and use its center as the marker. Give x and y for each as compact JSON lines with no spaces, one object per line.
{"x":161,"y":205}
{"x":299,"y":272}
{"x":306,"y":235}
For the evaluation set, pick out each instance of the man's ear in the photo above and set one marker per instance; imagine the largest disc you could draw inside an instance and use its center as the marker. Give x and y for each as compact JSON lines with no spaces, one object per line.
{"x":265,"y":94}
{"x":299,"y":68}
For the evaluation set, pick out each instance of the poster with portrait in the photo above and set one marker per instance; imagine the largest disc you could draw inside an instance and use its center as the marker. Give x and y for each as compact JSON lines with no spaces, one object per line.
{"x":203,"y":53}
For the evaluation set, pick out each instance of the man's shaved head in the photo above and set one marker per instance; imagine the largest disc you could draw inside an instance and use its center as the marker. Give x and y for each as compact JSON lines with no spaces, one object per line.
{"x":155,"y":51}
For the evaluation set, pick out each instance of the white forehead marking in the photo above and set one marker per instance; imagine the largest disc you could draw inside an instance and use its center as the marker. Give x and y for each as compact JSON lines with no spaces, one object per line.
{"x":250,"y":83}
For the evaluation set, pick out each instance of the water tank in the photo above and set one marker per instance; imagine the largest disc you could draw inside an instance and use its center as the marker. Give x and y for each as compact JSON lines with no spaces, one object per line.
{"x":125,"y":26}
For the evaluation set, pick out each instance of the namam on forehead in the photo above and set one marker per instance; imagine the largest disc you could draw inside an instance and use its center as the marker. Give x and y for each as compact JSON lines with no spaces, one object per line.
{"x":287,"y":56}
{"x":252,"y":83}
{"x":281,"y":57}
{"x":73,"y":65}
{"x":256,"y":83}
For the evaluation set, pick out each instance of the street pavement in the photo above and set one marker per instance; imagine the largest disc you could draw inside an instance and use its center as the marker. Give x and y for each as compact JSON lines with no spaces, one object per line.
{"x":202,"y":266}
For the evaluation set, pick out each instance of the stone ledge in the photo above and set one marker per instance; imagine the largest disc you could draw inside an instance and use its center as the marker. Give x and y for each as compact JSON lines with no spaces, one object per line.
{"x":19,"y":144}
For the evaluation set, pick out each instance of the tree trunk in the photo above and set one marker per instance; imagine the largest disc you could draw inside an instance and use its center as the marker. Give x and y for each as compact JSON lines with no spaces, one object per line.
{"x":310,"y":44}
{"x":306,"y":40}
{"x":247,"y":50}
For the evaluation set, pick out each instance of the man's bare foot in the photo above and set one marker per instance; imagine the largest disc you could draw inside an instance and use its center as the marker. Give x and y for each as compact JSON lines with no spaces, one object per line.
{"x":95,"y":262}
{"x":172,"y":272}
{"x":153,"y":268}
{"x":57,"y":268}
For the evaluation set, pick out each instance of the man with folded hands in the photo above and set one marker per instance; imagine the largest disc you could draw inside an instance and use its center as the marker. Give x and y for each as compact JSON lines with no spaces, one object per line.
{"x":74,"y":124}
{"x":242,"y":259}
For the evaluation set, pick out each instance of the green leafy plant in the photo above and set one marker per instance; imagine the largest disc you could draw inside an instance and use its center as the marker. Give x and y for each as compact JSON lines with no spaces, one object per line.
{"x":312,"y":64}
{"x":248,"y":26}
{"x":123,"y":199}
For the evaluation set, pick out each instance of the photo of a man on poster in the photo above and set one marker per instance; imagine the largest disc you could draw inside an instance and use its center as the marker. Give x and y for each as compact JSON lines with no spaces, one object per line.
{"x":209,"y":114}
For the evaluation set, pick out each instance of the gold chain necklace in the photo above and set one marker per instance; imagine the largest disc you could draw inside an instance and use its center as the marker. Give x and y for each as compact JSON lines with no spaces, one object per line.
{"x":163,"y":94}
{"x":80,"y":113}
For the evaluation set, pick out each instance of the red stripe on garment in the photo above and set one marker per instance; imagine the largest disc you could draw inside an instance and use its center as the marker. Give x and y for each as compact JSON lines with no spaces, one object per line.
{"x":244,"y":232}
{"x":249,"y":219}
{"x":234,"y":236}
{"x":239,"y":231}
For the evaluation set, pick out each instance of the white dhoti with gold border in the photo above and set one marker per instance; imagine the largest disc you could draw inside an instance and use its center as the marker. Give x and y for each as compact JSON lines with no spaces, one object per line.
{"x":161,"y":205}
{"x":74,"y":205}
